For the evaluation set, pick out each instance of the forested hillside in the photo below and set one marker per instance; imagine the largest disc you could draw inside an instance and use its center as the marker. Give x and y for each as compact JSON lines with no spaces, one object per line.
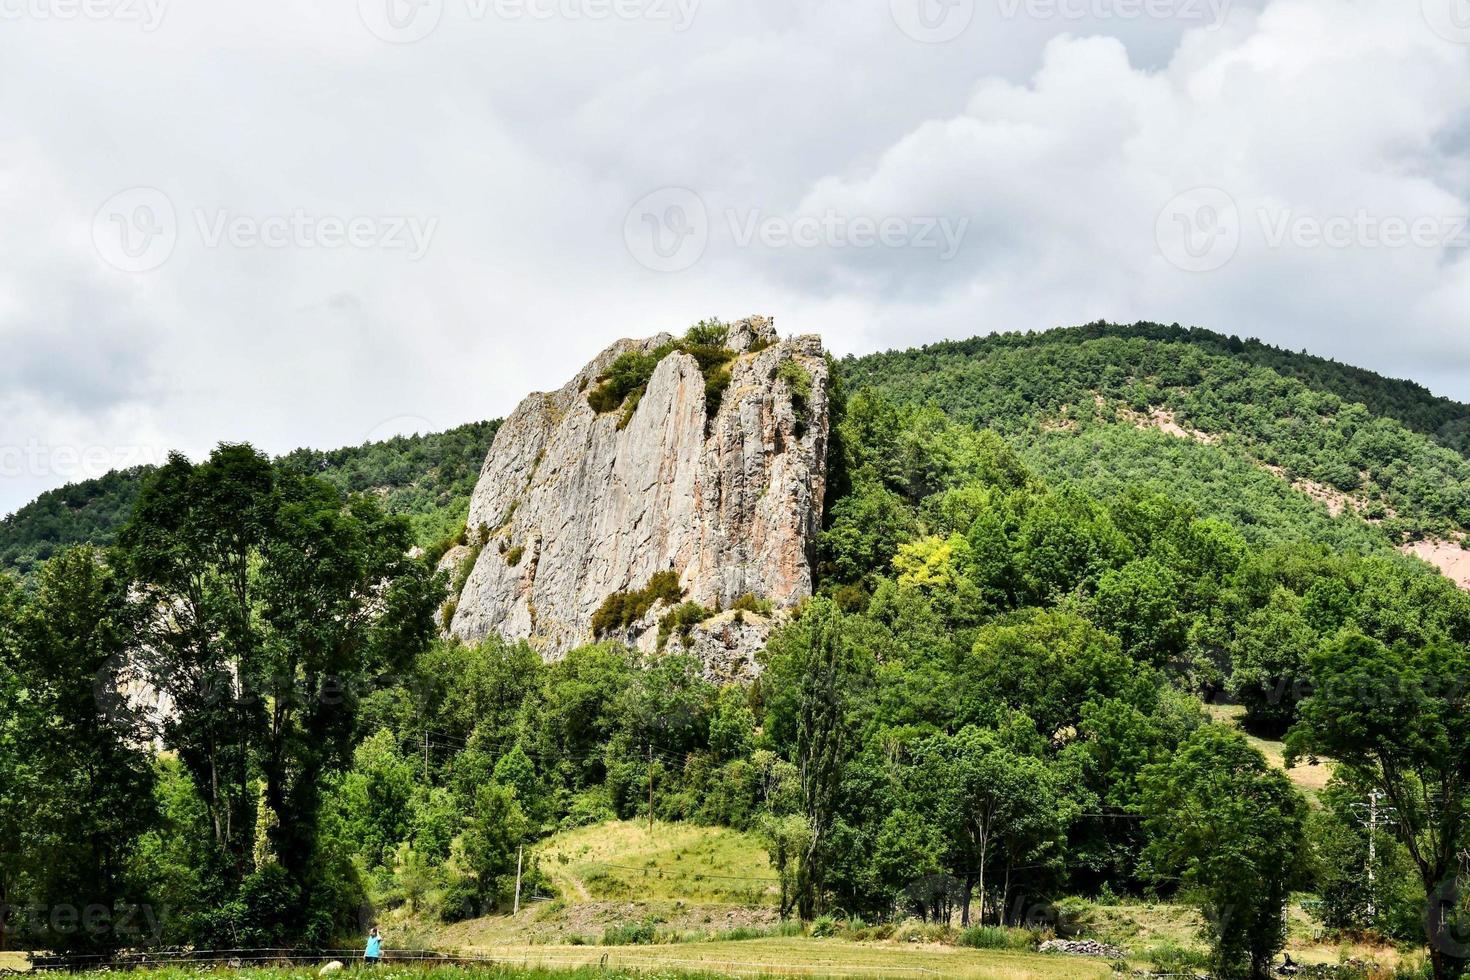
{"x":427,"y":477}
{"x":1044,"y":565}
{"x":1389,"y":448}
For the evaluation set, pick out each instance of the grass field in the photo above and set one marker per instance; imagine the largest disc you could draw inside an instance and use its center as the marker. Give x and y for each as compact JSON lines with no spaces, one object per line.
{"x":818,"y":958}
{"x":621,"y":860}
{"x":811,"y":959}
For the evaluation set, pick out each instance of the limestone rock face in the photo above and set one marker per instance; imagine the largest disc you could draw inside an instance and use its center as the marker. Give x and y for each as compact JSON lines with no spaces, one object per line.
{"x":577,"y":505}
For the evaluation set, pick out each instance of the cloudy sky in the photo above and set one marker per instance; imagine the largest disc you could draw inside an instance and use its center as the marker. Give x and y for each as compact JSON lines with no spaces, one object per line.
{"x":320,"y":223}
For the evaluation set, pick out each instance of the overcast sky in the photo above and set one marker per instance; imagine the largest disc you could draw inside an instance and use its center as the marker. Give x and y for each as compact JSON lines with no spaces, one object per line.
{"x":319,"y":223}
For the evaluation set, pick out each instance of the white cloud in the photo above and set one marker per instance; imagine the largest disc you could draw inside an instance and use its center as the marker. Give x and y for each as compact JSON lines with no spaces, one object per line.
{"x":1057,"y":139}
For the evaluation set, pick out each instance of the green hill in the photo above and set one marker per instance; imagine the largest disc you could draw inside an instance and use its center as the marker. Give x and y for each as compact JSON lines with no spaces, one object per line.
{"x":1389,"y":450}
{"x":429,"y":477}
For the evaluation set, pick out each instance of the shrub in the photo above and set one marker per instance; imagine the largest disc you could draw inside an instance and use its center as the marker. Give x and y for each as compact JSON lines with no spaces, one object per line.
{"x":996,"y":937}
{"x":513,"y":556}
{"x":749,"y":603}
{"x":1170,"y":957}
{"x":629,"y":934}
{"x":622,"y":384}
{"x":797,"y":378}
{"x":824,"y":926}
{"x":708,"y":333}
{"x":680,"y":620}
{"x":622,"y":609}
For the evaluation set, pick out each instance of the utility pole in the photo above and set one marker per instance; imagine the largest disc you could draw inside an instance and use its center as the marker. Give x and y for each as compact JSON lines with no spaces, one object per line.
{"x":650,"y":789}
{"x":1370,"y":822}
{"x":520,"y":848}
{"x":426,"y":754}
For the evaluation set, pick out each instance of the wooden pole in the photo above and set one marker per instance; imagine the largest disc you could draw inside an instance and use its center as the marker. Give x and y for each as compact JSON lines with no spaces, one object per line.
{"x":650,"y":787}
{"x":517,"y":907}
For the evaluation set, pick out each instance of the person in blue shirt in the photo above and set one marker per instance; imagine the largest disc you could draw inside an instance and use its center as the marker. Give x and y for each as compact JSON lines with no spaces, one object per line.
{"x":374,"y":951}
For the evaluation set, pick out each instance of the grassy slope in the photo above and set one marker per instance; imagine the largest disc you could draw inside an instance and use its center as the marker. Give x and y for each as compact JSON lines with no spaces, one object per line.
{"x":621,"y":860}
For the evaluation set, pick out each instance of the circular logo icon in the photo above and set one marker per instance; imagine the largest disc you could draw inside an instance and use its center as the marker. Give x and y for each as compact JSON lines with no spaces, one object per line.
{"x":1446,"y":921}
{"x":668,"y":230}
{"x":400,"y":21}
{"x":1450,"y":19}
{"x":932,"y":21}
{"x":1199,"y":230}
{"x":135,"y":230}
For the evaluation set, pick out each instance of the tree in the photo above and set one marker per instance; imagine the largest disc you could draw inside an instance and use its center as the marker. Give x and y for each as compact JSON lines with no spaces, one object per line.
{"x":92,"y":784}
{"x":1270,"y":662}
{"x":814,"y":678}
{"x":16,"y":782}
{"x":786,"y":839}
{"x":273,"y":601}
{"x":998,"y":809}
{"x":1397,"y":718}
{"x":1230,"y":828}
{"x":492,"y":837}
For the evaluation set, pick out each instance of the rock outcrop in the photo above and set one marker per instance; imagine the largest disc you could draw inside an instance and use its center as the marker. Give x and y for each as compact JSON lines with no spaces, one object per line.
{"x":575,"y":505}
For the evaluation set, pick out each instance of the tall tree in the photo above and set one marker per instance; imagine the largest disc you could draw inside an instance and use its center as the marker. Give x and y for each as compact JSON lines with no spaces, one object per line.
{"x":15,"y":781}
{"x":92,"y":784}
{"x":1227,"y":825}
{"x":1399,"y":719}
{"x":274,"y":601}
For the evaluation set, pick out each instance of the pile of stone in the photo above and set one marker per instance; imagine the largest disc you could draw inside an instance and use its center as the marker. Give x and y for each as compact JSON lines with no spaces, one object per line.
{"x":1081,"y":947}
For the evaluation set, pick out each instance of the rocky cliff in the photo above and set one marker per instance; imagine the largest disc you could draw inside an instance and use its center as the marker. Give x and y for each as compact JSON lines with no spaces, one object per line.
{"x":710,"y":473}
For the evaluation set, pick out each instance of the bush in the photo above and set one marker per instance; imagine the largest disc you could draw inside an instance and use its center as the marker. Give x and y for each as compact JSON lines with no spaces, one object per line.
{"x":630,"y":934}
{"x":513,"y":556}
{"x":749,"y":603}
{"x":680,"y":620}
{"x":622,"y":609}
{"x":824,"y":926}
{"x":622,"y":384}
{"x":1170,"y":957}
{"x":996,"y":937}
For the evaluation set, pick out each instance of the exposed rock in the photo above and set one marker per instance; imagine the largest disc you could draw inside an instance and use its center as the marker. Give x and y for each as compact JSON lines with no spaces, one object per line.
{"x":1081,"y":947}
{"x":590,"y":504}
{"x":726,"y":643}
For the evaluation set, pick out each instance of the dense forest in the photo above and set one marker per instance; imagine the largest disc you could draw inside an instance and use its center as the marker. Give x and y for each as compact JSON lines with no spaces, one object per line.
{"x":1029,"y":598}
{"x":427,"y":477}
